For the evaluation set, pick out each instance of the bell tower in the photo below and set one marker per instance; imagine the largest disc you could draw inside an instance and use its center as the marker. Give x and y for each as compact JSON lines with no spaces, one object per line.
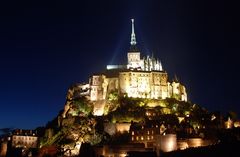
{"x":133,"y":53}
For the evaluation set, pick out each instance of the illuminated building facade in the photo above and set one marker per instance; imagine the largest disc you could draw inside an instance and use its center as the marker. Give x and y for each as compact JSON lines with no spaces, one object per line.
{"x":146,"y":133}
{"x":140,"y":78}
{"x":24,"y":139}
{"x":153,"y":135}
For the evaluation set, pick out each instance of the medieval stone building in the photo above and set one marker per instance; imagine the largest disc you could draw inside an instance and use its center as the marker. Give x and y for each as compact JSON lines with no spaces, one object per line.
{"x":139,"y":78}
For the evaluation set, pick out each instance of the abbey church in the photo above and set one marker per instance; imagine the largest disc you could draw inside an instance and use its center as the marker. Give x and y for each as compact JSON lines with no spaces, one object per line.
{"x":139,"y":78}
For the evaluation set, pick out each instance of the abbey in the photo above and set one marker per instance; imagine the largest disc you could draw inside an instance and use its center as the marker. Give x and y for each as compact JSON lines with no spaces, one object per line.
{"x":140,"y":78}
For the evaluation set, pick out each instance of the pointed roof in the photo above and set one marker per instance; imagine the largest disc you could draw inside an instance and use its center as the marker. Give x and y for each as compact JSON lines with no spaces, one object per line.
{"x":133,"y":36}
{"x":133,"y":42}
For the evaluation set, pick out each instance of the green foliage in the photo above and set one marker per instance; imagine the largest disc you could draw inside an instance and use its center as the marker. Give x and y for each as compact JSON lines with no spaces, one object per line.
{"x":113,"y":96}
{"x":110,"y":107}
{"x":53,"y":140}
{"x":158,"y":102}
{"x":176,"y":96}
{"x":130,"y":109}
{"x":134,"y":109}
{"x":165,"y":110}
{"x":82,"y":105}
{"x":112,"y":102}
{"x":126,"y":102}
{"x":81,"y":129}
{"x":84,"y":130}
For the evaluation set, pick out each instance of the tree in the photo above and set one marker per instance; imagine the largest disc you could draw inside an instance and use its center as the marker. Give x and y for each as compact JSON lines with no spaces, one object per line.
{"x":82,"y":105}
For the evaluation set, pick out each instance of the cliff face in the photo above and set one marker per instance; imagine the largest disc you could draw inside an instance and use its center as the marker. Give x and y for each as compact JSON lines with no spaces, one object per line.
{"x":76,"y":125}
{"x":76,"y":104}
{"x":80,"y":105}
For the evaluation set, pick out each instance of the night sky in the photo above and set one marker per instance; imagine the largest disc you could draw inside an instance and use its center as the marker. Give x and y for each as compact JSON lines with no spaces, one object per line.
{"x":47,"y":46}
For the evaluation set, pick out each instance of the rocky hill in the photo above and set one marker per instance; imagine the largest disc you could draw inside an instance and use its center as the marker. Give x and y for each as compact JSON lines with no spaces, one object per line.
{"x":76,"y":124}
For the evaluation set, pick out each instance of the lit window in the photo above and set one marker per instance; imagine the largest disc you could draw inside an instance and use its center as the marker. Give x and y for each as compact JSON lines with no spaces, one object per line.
{"x":132,"y":138}
{"x":141,"y":137}
{"x":148,"y":138}
{"x":132,"y":132}
{"x":137,"y":138}
{"x":152,"y":137}
{"x":152,"y":132}
{"x":148,"y":132}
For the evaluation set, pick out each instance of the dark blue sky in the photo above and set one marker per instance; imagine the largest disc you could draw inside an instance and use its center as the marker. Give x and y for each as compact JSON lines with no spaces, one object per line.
{"x":47,"y":46}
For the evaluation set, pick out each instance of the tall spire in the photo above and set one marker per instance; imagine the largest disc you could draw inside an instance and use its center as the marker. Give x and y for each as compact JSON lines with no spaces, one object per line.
{"x":133,"y":37}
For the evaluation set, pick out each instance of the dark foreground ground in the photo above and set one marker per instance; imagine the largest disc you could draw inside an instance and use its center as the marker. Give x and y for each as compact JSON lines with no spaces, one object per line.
{"x":226,"y":149}
{"x":223,"y":149}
